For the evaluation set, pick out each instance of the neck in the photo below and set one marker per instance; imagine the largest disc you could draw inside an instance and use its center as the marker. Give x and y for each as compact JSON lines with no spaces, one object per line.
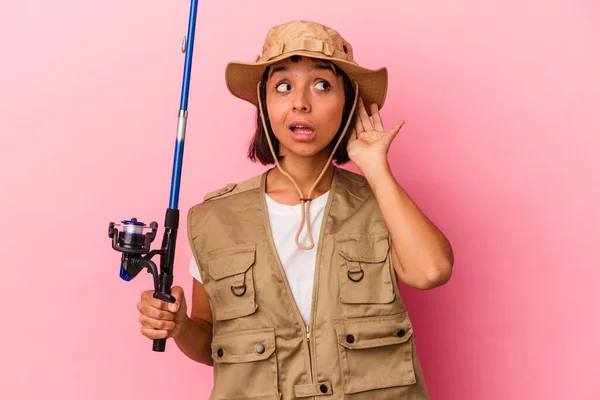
{"x":305,"y":171}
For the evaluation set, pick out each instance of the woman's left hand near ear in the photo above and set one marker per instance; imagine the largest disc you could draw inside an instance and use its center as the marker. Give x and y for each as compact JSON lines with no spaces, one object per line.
{"x":369,"y":143}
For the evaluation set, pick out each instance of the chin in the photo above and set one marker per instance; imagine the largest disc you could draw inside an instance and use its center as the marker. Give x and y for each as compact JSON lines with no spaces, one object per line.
{"x":307,"y":150}
{"x":312,"y":148}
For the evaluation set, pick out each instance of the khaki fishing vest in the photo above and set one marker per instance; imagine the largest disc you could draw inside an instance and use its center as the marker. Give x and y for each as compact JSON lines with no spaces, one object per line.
{"x":359,"y":344}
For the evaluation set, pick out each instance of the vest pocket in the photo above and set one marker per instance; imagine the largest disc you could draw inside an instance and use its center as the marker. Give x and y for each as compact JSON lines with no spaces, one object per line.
{"x":364,"y":268}
{"x":375,"y":352}
{"x":245,"y":365}
{"x":232,"y":285}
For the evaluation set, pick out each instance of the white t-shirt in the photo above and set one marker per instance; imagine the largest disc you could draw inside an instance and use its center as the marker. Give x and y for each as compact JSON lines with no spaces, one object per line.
{"x":299,"y":265}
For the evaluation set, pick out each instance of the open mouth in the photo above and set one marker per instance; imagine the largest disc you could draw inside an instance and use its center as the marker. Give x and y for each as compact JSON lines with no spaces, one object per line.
{"x":301,"y":128}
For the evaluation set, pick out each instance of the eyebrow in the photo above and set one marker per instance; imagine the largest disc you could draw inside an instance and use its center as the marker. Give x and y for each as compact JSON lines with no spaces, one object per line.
{"x":316,"y":67}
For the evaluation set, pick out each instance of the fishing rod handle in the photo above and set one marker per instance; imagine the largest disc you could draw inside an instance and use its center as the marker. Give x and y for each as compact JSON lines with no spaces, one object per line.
{"x":164,"y":295}
{"x":159,"y":345}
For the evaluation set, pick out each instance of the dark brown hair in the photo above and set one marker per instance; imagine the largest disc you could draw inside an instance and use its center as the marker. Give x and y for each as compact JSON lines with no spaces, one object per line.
{"x":258,"y":150}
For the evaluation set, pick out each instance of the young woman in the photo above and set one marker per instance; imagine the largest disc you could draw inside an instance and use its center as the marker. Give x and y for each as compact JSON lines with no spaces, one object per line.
{"x":295,"y":292}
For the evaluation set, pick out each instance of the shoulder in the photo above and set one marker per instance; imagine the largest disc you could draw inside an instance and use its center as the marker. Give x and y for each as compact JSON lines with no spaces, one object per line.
{"x":216,"y":200}
{"x":213,"y":200}
{"x":233,"y":189}
{"x":221,"y":206}
{"x":215,"y":194}
{"x":351,"y":178}
{"x":355,"y":184}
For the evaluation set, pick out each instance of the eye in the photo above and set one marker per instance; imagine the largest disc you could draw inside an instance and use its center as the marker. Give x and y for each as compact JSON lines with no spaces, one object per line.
{"x":282,"y":87}
{"x":323,"y":85}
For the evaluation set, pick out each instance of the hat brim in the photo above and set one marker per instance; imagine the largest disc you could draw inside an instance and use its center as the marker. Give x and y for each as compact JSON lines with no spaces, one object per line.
{"x":242,"y":78}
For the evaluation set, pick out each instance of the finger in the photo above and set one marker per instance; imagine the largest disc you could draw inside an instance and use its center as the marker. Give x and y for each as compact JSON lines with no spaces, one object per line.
{"x":394,"y":131}
{"x":154,"y":334}
{"x":148,"y":297}
{"x":152,"y":323}
{"x":376,"y":117}
{"x":156,"y":313}
{"x":364,"y":117}
{"x":354,"y":134}
{"x":358,"y":125}
{"x":177,"y":292}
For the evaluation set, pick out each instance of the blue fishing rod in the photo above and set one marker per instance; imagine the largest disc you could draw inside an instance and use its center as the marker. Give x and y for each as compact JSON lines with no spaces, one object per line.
{"x":133,"y":238}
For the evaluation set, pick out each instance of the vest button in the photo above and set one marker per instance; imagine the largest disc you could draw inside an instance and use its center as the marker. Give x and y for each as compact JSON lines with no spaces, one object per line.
{"x":401,"y":333}
{"x":350,"y":339}
{"x":260,"y":349}
{"x":220,"y":352}
{"x":323,"y":388}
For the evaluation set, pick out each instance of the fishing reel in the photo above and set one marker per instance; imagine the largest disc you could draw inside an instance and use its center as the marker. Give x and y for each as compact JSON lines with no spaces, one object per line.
{"x":135,"y":246}
{"x":133,"y":239}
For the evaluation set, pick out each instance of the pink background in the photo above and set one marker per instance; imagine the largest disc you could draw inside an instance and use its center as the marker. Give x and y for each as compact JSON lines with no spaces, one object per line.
{"x":500,"y":149}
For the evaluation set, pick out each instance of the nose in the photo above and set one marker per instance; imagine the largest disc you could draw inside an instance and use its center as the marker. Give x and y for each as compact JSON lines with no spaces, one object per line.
{"x":301,"y":101}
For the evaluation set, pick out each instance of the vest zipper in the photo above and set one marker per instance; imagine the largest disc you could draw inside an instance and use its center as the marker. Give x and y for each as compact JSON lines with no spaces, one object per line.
{"x":309,"y":353}
{"x":317,"y":264}
{"x":313,"y":309}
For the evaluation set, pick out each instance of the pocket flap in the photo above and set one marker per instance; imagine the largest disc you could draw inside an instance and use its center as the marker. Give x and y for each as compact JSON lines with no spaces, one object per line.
{"x":367,"y":248}
{"x":230,"y":261}
{"x":243,"y":346}
{"x":370,"y":332}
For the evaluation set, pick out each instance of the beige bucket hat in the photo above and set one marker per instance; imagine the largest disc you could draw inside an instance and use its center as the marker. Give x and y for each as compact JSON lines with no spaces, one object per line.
{"x":308,"y":39}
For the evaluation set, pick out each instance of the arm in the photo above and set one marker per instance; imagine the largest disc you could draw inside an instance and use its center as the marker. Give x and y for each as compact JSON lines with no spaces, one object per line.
{"x":421,"y":254}
{"x":195,"y":337}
